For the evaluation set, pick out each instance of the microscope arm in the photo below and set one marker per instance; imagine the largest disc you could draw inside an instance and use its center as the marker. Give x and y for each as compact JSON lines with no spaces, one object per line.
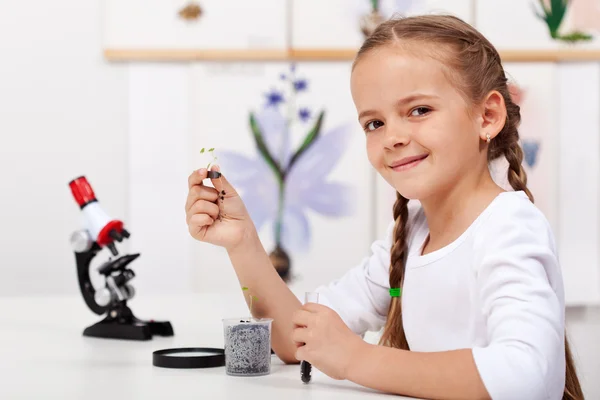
{"x":84,"y":260}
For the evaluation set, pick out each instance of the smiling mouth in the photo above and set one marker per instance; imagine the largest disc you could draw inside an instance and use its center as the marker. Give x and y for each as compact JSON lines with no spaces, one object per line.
{"x":408,"y":162}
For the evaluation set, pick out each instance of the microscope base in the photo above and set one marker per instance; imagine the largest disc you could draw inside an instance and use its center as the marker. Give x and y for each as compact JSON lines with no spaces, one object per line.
{"x":128,"y":327}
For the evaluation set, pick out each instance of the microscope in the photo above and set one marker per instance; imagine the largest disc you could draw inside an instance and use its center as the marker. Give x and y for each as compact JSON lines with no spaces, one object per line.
{"x":100,"y":231}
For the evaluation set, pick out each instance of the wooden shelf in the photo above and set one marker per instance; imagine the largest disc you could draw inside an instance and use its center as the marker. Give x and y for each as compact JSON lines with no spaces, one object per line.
{"x":194,"y":55}
{"x":321,"y":55}
{"x":550,"y":55}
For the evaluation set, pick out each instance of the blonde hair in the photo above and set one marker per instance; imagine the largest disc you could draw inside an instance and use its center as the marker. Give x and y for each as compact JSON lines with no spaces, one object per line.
{"x":475,"y":67}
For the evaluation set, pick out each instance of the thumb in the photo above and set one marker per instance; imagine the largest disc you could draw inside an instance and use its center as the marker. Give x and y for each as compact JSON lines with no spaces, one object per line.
{"x":219,"y":181}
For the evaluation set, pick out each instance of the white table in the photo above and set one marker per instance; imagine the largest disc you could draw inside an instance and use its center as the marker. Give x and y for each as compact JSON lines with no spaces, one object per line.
{"x":43,"y":355}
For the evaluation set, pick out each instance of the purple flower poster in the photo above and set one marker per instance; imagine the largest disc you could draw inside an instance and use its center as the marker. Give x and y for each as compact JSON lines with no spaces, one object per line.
{"x":287,"y":137}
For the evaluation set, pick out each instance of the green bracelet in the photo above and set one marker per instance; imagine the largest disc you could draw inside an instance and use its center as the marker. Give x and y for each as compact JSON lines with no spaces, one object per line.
{"x":395,"y":292}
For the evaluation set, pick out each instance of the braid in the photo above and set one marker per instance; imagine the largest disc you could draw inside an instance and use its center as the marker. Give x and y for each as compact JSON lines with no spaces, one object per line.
{"x":517,"y":177}
{"x":393,"y":334}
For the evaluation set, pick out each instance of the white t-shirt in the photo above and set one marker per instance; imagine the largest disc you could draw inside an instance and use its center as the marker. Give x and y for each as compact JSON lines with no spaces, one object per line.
{"x":497,"y":289}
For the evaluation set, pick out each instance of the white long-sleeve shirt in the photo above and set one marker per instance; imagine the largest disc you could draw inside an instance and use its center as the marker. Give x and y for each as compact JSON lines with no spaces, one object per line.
{"x":497,"y":290}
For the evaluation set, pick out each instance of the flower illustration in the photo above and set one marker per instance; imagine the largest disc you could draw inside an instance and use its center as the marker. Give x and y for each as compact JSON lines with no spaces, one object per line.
{"x":300,"y":85}
{"x":531,"y":149}
{"x":304,"y":114}
{"x":280,"y":185}
{"x":274,"y":98}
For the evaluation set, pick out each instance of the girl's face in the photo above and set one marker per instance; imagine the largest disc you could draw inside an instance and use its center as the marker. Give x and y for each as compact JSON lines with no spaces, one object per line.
{"x":419,"y":134}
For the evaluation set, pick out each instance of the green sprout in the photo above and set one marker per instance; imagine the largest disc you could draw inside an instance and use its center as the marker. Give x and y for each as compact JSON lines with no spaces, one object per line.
{"x":553,"y":17}
{"x":211,"y":151}
{"x":252,"y":299}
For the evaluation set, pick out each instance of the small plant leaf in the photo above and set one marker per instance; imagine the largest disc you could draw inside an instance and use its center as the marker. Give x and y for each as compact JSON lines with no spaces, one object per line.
{"x":202,"y":151}
{"x":263,"y":150}
{"x":244,"y":288}
{"x":310,"y":138}
{"x":213,"y":149}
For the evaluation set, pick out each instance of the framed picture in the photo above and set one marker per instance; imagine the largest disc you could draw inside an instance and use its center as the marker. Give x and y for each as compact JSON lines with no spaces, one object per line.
{"x":540,"y":24}
{"x":287,"y":137}
{"x":190,"y":28}
{"x":344,"y":24}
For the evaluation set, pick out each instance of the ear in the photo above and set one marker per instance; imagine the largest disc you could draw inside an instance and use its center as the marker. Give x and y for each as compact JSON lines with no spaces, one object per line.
{"x":493,"y":115}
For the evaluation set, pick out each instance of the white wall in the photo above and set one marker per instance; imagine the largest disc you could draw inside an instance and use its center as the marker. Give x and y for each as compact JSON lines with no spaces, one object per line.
{"x":63,"y":113}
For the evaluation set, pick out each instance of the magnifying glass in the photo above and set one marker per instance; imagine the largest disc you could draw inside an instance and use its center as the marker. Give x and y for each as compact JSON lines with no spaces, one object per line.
{"x":189,"y":357}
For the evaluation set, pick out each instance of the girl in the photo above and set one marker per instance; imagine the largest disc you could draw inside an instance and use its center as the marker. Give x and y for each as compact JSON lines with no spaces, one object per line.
{"x":467,"y":284}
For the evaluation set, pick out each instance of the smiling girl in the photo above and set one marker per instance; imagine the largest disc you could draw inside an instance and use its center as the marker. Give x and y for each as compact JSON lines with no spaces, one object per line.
{"x":466,"y":284}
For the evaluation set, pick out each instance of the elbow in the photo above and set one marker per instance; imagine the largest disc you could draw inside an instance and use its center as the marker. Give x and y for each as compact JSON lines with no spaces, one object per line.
{"x":510,"y":373}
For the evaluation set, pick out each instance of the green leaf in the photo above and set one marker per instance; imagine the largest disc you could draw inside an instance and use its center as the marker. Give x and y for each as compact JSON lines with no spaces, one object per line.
{"x":202,"y":151}
{"x":213,"y":149}
{"x":244,"y":288}
{"x":310,"y":138}
{"x":263,"y":150}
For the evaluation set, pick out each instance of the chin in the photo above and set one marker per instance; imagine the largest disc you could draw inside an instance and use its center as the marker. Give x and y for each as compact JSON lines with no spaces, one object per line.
{"x":413,"y":189}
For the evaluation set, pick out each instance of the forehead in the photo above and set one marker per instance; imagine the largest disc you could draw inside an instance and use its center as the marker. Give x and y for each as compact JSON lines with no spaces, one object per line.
{"x":393,"y":72}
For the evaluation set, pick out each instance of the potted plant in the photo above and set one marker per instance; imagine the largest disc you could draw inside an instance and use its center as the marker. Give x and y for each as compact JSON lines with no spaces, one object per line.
{"x":247,"y":344}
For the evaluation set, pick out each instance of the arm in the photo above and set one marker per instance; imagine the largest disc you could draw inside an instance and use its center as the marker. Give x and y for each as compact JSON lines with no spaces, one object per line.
{"x":447,"y":375}
{"x":254,"y":269}
{"x":520,"y":290}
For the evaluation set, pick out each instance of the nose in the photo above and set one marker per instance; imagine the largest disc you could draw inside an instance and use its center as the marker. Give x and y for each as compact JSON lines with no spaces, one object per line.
{"x":395,"y":136}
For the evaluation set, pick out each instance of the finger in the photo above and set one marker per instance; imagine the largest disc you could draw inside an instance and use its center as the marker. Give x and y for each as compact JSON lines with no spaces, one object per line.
{"x":197,"y":177}
{"x":315,"y":308}
{"x":301,"y":353}
{"x":199,"y":221}
{"x":200,"y":193}
{"x":204,"y":207}
{"x":222,"y":184}
{"x":302,"y":317}
{"x":300,"y":336}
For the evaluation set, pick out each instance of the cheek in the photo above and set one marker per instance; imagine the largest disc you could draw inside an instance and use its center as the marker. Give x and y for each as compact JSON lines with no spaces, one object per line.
{"x":374,"y":151}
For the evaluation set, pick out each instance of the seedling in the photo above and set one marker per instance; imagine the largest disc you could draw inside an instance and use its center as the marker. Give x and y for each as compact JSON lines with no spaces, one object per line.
{"x":252,"y":299}
{"x":214,"y":175}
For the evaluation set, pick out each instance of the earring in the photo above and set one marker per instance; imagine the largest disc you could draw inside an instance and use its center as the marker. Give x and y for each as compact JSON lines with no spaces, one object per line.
{"x":488,"y":138}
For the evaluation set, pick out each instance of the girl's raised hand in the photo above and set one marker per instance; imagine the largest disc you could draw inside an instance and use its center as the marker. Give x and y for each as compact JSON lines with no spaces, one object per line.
{"x":216,"y":215}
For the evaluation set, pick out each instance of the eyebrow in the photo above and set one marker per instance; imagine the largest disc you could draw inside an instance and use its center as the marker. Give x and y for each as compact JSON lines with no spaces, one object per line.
{"x":401,"y":102}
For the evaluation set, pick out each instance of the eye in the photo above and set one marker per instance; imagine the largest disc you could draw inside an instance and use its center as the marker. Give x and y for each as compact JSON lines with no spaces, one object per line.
{"x":420,"y":111}
{"x":372,"y":125}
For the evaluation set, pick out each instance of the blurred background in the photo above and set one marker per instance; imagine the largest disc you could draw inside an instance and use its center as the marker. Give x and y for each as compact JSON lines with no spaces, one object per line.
{"x":128,"y":92}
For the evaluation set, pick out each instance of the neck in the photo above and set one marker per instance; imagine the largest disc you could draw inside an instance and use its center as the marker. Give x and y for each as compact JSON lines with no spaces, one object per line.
{"x":450,"y":212}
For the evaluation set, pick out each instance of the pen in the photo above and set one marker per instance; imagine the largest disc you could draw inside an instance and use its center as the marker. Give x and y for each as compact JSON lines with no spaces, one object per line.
{"x":305,"y":366}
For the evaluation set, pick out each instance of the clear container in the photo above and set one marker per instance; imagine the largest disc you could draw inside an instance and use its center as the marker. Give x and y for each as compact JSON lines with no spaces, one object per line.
{"x":247,"y":346}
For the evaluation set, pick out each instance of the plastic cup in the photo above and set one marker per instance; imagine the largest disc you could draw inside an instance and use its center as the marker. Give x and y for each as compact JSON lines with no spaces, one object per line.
{"x":247,"y":346}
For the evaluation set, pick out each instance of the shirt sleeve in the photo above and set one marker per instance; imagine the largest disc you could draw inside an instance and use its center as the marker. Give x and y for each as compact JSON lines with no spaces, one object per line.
{"x":520,"y":288}
{"x":361,"y":295}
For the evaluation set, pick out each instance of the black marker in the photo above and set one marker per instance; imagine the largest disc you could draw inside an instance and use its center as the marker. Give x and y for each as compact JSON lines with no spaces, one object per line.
{"x":305,"y":369}
{"x":305,"y":366}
